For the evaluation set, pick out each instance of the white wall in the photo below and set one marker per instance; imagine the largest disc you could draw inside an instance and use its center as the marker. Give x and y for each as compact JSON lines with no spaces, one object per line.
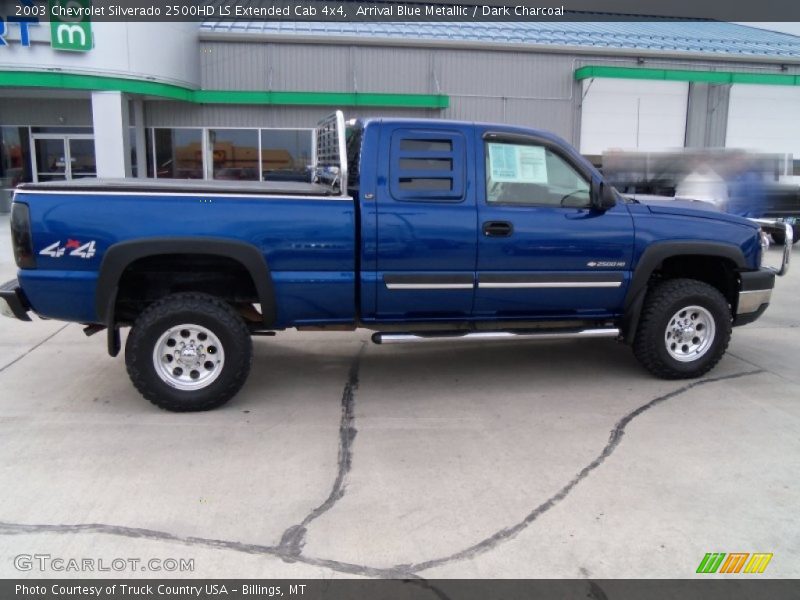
{"x":110,"y":122}
{"x":633,"y":115}
{"x":765,"y":118}
{"x":165,"y":52}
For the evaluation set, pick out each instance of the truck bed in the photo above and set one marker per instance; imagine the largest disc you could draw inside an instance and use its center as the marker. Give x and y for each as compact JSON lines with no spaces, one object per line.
{"x":198,"y":186}
{"x":308,"y":239}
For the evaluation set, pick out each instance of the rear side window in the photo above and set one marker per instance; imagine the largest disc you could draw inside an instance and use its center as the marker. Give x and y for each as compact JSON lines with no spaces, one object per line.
{"x":354,"y":134}
{"x":427,"y":166}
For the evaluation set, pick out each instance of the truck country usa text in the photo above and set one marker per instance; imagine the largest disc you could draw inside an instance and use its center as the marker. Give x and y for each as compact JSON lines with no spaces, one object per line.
{"x":147,"y":590}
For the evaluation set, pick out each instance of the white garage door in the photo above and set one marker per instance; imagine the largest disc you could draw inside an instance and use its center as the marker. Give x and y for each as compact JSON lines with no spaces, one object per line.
{"x":765,"y":118}
{"x":627,"y":114}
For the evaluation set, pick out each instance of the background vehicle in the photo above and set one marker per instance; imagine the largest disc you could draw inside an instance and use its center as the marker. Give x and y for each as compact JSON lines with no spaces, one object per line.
{"x":417,"y":229}
{"x":712,"y":178}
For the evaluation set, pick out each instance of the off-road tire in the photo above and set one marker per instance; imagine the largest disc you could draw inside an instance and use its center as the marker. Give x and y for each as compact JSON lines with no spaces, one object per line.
{"x":663,"y":301}
{"x":206,"y":311}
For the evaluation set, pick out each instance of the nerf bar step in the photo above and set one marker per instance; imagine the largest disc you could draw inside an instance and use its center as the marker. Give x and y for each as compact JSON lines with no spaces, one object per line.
{"x":477,"y":336}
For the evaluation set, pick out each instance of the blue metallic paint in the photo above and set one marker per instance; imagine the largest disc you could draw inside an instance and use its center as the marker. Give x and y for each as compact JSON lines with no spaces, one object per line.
{"x":325,"y":244}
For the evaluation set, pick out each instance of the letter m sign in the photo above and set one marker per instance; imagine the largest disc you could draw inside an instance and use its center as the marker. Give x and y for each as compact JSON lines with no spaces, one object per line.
{"x":67,"y":32}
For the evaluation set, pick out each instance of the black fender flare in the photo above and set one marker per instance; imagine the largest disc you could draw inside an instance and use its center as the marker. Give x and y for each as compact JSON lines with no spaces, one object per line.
{"x":652,"y":257}
{"x":120,"y":255}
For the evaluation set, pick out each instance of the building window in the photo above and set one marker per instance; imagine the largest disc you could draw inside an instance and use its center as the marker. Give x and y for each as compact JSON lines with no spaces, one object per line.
{"x":82,"y":160}
{"x":286,"y":154}
{"x":62,"y":130}
{"x":15,"y":157}
{"x":230,"y":154}
{"x":235,"y":153}
{"x":179,"y":153}
{"x":149,"y":154}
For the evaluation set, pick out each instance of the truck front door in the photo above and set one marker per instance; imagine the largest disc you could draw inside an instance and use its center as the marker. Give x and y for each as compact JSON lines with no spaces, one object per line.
{"x":543,"y":251}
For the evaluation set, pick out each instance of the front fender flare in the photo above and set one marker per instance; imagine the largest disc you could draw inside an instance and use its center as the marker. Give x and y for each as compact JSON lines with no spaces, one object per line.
{"x":651,"y":259}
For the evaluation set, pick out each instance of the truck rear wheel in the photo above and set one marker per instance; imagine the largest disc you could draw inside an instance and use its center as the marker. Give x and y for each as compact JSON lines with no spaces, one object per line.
{"x":188,"y":352}
{"x":684,"y":329}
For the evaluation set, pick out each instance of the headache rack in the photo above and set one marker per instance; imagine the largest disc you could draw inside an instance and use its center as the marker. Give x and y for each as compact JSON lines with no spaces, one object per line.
{"x":330,"y":161}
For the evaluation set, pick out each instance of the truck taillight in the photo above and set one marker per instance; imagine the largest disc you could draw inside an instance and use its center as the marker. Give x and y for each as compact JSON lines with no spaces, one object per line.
{"x":21,"y":236}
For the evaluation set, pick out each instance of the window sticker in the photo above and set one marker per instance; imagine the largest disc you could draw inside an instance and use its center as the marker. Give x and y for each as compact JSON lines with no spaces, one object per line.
{"x":517,"y":164}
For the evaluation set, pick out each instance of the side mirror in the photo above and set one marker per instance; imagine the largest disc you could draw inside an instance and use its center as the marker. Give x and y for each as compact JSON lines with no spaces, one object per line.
{"x":605,"y":198}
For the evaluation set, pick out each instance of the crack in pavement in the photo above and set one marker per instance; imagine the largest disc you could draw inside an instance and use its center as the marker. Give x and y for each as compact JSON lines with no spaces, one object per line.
{"x":34,"y":347}
{"x":291,"y":544}
{"x":614,"y":440}
{"x":293,"y":539}
{"x":7,"y":528}
{"x":596,"y":592}
{"x":763,"y":368}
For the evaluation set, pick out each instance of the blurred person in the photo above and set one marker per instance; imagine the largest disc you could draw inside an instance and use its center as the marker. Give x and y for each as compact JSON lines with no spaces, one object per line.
{"x":747,"y":190}
{"x":703,"y":184}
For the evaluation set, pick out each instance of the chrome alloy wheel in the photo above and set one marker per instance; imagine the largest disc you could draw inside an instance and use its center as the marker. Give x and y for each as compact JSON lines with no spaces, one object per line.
{"x":690,"y":333}
{"x":188,"y":357}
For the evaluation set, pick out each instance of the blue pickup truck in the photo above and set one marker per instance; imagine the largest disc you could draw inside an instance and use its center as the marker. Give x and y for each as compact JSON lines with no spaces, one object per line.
{"x":421,"y":230}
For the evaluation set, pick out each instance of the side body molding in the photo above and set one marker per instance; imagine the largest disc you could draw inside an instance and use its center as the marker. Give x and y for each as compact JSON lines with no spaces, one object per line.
{"x":119,"y":256}
{"x":652,"y":257}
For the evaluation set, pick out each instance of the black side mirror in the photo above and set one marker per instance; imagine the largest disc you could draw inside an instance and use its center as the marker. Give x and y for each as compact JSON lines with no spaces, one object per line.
{"x":606,"y":197}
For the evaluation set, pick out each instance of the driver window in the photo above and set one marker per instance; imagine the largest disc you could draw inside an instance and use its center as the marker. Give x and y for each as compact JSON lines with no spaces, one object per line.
{"x":532,"y":174}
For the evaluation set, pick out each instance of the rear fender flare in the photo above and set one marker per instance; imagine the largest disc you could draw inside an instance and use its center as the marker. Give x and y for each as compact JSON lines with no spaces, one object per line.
{"x":119,"y":256}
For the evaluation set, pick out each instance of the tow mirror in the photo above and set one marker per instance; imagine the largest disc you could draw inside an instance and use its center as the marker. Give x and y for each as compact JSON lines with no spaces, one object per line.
{"x":606,"y":198}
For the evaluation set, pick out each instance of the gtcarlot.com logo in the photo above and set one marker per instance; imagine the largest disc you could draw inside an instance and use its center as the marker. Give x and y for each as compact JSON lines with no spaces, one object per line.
{"x":58,"y":564}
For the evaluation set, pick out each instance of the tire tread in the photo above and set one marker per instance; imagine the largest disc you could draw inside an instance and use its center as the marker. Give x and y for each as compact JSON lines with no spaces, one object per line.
{"x":659,"y":300}
{"x":194,"y":302}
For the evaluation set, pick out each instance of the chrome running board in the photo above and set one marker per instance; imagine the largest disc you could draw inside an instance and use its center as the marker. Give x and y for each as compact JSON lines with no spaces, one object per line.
{"x":478,"y":336}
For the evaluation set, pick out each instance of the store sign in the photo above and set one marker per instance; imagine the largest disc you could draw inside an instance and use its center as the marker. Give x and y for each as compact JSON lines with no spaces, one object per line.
{"x":70,"y":27}
{"x":70,"y":24}
{"x":23,"y":23}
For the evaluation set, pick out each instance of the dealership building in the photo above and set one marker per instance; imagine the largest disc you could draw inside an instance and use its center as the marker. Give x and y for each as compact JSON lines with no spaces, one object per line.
{"x":238,"y":100}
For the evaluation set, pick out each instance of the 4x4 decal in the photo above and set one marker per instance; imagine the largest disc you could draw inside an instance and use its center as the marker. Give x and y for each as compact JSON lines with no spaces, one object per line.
{"x":80,"y":250}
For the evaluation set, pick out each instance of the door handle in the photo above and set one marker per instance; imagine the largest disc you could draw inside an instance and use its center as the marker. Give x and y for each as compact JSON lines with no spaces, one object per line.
{"x":497,"y":229}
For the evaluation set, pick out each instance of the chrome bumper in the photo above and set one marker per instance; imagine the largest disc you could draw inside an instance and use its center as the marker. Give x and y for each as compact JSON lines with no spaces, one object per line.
{"x":768,"y":225}
{"x":751,"y":301}
{"x":755,"y":292}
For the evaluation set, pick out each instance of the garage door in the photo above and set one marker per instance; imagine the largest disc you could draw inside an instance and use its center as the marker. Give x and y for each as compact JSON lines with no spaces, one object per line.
{"x":633,"y":115}
{"x":765,"y":118}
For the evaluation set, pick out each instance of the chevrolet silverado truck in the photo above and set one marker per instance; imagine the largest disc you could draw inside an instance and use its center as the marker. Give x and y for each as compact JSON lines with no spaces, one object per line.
{"x":420,"y":230}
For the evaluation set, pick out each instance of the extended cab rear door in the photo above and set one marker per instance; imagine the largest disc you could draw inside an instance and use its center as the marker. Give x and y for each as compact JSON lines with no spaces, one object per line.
{"x":426,"y":222}
{"x":543,"y":251}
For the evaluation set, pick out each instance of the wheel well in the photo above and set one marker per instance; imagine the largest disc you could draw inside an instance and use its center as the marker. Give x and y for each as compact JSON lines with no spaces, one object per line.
{"x":716,"y":271}
{"x":148,"y":279}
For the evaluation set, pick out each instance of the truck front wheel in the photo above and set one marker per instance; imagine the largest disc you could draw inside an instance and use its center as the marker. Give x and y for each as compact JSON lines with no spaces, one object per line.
{"x":684,"y":329}
{"x":188,"y":352}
